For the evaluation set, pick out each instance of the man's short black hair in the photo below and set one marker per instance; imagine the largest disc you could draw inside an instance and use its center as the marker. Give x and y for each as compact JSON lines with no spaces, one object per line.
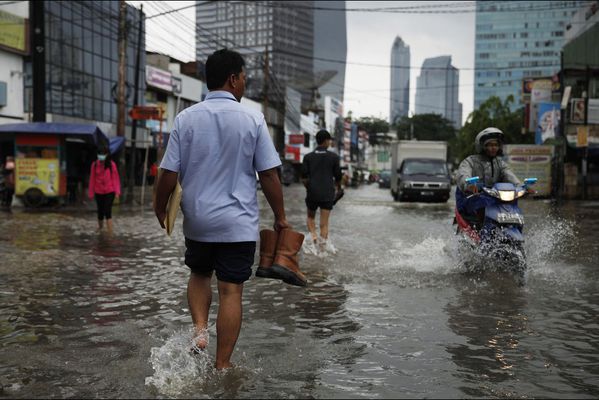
{"x":322,"y":135}
{"x":220,"y":65}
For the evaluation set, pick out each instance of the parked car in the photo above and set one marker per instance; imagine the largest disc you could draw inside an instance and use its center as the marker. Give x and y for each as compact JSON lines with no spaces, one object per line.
{"x":424,"y":179}
{"x":385,"y":179}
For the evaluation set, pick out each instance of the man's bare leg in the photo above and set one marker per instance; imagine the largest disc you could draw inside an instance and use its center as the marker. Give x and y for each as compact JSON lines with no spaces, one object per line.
{"x":228,"y":322}
{"x":100,"y":224}
{"x":311,"y":222}
{"x":324,"y":223}
{"x":199,"y":298}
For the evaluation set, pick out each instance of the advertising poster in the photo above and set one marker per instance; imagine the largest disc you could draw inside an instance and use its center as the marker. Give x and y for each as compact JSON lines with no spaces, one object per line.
{"x":593,"y":111}
{"x":577,"y":112}
{"x":548,"y":122}
{"x":531,"y":161}
{"x":579,"y":135}
{"x":40,"y":173}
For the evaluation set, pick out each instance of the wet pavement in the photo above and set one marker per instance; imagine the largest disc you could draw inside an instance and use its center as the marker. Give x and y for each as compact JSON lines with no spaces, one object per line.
{"x":392,"y":314}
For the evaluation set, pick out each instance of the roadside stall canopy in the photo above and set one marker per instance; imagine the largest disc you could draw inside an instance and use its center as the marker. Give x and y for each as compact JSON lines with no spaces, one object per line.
{"x":116,"y":142}
{"x":88,"y":132}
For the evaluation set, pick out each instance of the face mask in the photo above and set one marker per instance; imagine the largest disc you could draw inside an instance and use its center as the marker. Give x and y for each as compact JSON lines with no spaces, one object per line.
{"x":101,"y":157}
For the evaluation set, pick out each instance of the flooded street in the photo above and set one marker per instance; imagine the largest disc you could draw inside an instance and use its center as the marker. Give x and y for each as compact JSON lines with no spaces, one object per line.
{"x":392,"y":314}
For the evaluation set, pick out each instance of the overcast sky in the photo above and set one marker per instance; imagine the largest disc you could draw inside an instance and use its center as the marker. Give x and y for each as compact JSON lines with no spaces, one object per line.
{"x":370,"y":36}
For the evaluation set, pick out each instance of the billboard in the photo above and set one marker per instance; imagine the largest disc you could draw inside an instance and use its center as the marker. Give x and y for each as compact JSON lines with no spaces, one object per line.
{"x":548,"y":122}
{"x":333,"y":109}
{"x":40,"y":173}
{"x":531,"y":161}
{"x":13,"y":33}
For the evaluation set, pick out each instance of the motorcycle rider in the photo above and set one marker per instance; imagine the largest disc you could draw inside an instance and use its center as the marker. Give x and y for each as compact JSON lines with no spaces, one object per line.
{"x":488,"y":167}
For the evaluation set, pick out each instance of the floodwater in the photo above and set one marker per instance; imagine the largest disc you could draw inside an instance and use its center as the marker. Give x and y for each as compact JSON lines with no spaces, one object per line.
{"x":392,"y":314}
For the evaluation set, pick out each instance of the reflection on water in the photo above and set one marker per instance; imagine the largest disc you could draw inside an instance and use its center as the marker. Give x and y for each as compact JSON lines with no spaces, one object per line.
{"x":88,"y":314}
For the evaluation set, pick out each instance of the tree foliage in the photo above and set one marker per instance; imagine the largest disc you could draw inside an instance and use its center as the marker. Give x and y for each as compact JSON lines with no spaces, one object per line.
{"x":373,"y":125}
{"x":495,"y":113}
{"x":426,"y":127}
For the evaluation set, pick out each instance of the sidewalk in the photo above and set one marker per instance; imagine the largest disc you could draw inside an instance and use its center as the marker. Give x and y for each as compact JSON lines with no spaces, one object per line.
{"x":87,"y":204}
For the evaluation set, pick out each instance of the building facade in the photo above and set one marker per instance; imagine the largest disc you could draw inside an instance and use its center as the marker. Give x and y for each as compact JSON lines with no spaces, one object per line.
{"x":517,"y":40}
{"x":400,"y":80}
{"x":274,"y":34}
{"x":81,"y":61}
{"x":13,"y":48}
{"x":437,"y":90}
{"x":330,"y":43}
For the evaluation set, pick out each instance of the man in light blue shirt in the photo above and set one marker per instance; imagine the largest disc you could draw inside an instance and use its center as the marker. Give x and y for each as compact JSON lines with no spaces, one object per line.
{"x":214,"y":150}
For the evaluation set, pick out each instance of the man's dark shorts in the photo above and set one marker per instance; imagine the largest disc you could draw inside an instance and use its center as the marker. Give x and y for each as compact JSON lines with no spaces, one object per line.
{"x":231,"y":261}
{"x":313,"y":205}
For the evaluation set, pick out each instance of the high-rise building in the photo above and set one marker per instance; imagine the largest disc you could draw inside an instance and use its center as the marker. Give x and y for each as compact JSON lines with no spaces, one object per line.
{"x":437,"y":89}
{"x":330,"y":42}
{"x":517,"y":40}
{"x":81,"y":62}
{"x":283,"y":32}
{"x":400,"y":80}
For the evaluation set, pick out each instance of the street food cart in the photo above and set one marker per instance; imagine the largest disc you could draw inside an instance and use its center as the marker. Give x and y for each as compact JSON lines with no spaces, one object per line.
{"x":40,"y":152}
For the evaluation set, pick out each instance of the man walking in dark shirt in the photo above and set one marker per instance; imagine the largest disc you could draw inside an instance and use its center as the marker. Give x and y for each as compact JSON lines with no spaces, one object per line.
{"x":321,"y":175}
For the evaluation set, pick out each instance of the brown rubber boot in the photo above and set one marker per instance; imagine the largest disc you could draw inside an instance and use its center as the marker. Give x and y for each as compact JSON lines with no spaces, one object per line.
{"x":285,"y":265}
{"x":268,"y":245}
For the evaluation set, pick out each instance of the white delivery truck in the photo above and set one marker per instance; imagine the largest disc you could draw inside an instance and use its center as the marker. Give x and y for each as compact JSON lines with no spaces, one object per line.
{"x":419,"y":170}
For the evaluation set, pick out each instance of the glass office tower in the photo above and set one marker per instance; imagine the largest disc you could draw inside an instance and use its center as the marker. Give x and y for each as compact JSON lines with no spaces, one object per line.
{"x":516,"y":40}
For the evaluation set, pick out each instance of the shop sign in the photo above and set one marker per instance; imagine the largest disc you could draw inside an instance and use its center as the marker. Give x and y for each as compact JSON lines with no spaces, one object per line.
{"x":159,"y":78}
{"x":292,"y":153}
{"x":531,"y":161}
{"x":13,"y":32}
{"x":40,"y":173}
{"x":145,"y":112}
{"x":296,"y":139}
{"x":593,"y":110}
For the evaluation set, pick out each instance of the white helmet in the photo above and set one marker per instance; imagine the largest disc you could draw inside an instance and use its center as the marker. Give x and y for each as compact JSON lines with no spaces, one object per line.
{"x":484,"y":136}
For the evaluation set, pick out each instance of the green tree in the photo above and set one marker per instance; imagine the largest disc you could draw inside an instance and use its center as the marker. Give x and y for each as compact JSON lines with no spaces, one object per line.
{"x":492,"y":112}
{"x":425,"y":127}
{"x":373,"y":125}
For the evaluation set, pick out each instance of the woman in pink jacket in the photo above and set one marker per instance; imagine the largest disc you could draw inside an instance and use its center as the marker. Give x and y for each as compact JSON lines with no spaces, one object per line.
{"x":104,"y":184}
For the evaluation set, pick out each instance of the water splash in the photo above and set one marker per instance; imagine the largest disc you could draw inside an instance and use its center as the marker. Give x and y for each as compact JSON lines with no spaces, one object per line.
{"x":176,"y":369}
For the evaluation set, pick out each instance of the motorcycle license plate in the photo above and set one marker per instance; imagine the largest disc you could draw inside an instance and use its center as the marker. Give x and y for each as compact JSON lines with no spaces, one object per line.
{"x":510,"y":218}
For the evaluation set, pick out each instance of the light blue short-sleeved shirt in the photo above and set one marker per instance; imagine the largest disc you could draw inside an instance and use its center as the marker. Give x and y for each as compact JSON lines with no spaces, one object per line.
{"x":217,"y":146}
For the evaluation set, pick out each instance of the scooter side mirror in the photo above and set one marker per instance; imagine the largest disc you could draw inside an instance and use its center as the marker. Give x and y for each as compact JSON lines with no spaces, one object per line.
{"x":530,"y":181}
{"x":472,"y":181}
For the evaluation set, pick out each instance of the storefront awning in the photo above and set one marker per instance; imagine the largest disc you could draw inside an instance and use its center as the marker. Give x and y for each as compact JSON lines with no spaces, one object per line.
{"x":89,"y":132}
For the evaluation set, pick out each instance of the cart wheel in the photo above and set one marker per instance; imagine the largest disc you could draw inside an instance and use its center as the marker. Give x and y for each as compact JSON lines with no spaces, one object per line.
{"x":34,"y":197}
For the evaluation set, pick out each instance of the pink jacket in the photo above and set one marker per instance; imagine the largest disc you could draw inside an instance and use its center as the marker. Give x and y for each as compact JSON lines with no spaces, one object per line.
{"x":104,"y":180}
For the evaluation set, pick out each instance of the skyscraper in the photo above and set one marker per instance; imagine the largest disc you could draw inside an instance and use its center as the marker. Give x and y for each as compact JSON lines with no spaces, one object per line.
{"x":516,"y":40}
{"x":283,"y":32}
{"x":330,"y":42}
{"x":400,"y":80}
{"x":437,"y":89}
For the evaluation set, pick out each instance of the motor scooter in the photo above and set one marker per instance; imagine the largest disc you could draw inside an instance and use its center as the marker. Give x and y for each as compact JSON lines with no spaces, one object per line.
{"x":496,"y":235}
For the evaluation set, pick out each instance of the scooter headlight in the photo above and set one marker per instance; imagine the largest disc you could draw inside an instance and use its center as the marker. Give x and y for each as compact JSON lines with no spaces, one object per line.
{"x":507,"y":195}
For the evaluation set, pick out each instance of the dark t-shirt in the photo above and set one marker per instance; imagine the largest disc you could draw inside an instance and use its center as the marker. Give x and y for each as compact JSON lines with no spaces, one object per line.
{"x":321,"y":169}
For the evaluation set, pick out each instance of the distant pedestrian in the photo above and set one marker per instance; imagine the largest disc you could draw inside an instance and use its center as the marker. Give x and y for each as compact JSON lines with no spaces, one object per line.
{"x":153,"y":173}
{"x":321,"y":174}
{"x":8,"y":178}
{"x":214,"y":151}
{"x":104,"y":185}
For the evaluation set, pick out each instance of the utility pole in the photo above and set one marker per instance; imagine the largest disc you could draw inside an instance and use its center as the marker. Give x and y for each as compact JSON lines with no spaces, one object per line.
{"x":38,"y":59}
{"x":135,"y":101}
{"x":265,"y":85}
{"x":120,"y":98}
{"x":121,"y":103}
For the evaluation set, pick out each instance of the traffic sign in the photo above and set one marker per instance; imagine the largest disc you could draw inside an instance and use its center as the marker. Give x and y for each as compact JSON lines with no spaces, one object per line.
{"x":145,"y":112}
